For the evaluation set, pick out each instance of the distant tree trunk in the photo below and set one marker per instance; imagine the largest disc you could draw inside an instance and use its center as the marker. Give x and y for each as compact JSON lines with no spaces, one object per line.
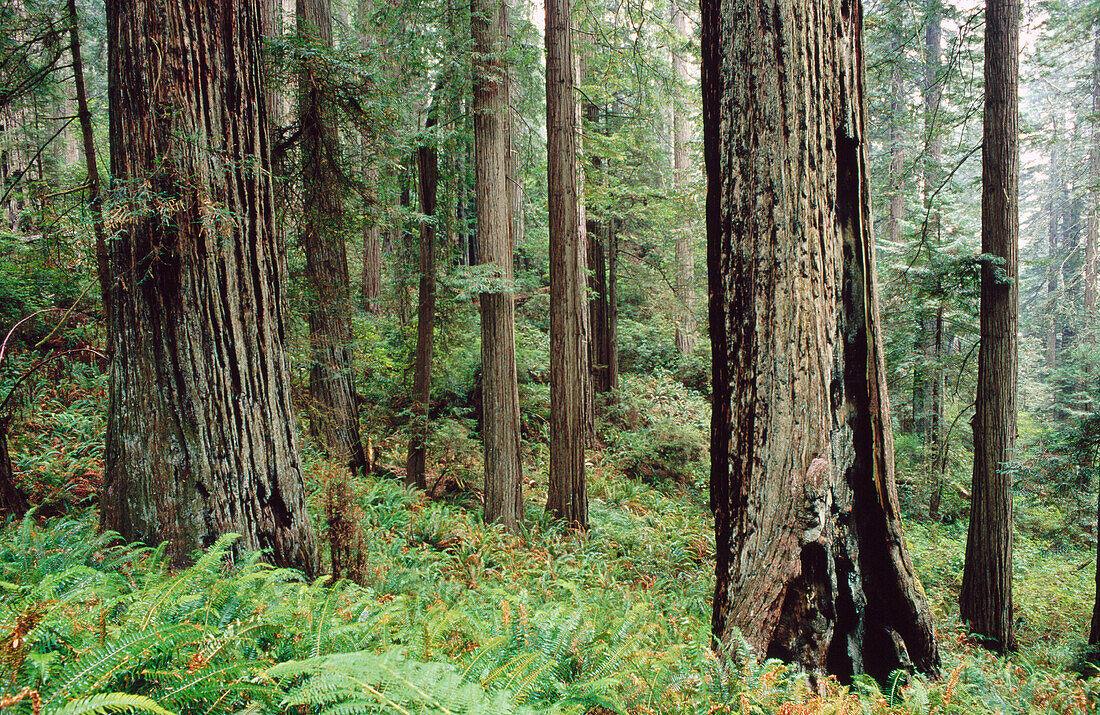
{"x":200,"y":438}
{"x":811,"y":562}
{"x":1093,"y":234}
{"x":12,"y":501}
{"x":896,"y":133}
{"x":1056,"y":187}
{"x":95,"y":197}
{"x":933,"y":173}
{"x":500,"y":390}
{"x":612,"y":306}
{"x":681,"y":136}
{"x":334,"y":412}
{"x":935,"y":437}
{"x":428,"y":165}
{"x":600,"y":348}
{"x":370,"y":292}
{"x":985,"y":603}
{"x":567,"y":496}
{"x":516,"y":189}
{"x":1094,"y":629}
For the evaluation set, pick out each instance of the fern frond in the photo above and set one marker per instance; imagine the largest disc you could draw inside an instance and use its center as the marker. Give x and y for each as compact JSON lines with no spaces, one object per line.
{"x":96,"y":668}
{"x":104,"y":703}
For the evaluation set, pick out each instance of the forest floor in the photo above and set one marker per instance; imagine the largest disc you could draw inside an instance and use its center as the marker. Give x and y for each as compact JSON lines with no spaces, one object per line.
{"x":450,"y":615}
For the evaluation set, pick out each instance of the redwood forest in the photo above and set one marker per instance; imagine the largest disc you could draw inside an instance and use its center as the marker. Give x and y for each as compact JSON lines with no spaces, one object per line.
{"x":549,"y":356}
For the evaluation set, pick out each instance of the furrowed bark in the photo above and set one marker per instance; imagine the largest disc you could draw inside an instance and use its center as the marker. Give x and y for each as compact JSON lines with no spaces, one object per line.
{"x":812,"y":567}
{"x":428,"y":167}
{"x":567,"y":497}
{"x":200,"y":438}
{"x":985,"y":603}
{"x":500,"y":389}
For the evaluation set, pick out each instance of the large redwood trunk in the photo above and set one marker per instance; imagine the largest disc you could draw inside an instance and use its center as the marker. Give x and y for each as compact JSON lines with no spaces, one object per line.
{"x":334,"y":412}
{"x":567,"y":497}
{"x":200,"y":438}
{"x":500,"y":390}
{"x":811,"y":562}
{"x":985,"y":603}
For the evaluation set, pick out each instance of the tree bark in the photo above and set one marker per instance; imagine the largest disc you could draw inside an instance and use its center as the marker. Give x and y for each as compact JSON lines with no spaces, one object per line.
{"x":200,"y":438}
{"x":985,"y":603}
{"x":811,"y":562}
{"x":567,"y":496}
{"x":334,"y":412}
{"x":428,"y":166}
{"x":500,"y":389}
{"x":681,"y":136}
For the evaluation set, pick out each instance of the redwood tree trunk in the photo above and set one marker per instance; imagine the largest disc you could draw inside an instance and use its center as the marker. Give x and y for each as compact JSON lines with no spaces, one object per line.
{"x":811,"y":563}
{"x":985,"y":603}
{"x":500,"y":390}
{"x":334,"y":413}
{"x":200,"y":438}
{"x":567,"y":497}
{"x":428,"y":166}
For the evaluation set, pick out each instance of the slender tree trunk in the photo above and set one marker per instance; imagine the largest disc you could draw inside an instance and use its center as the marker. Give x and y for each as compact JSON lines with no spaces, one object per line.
{"x":428,"y":166}
{"x":1093,"y":234}
{"x":567,"y":497}
{"x":95,"y":197}
{"x":1094,"y":628}
{"x":200,"y":437}
{"x":612,"y":306}
{"x":933,"y":172}
{"x":334,"y":412}
{"x":370,"y":292}
{"x":1053,"y":269}
{"x":12,"y":500}
{"x":934,"y":438}
{"x":600,"y":348}
{"x":985,"y":603}
{"x":500,"y":390}
{"x":811,"y":562}
{"x":681,"y":136}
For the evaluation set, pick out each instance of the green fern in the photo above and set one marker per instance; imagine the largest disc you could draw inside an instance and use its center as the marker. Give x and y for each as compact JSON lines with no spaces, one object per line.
{"x":360,"y":683}
{"x":104,"y":703}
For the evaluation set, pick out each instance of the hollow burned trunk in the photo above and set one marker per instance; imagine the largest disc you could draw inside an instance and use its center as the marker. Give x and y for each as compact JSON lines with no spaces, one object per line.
{"x":812,"y":567}
{"x":200,"y":439}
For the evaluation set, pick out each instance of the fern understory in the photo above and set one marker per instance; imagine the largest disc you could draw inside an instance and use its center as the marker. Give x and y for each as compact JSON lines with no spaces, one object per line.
{"x":453,"y":616}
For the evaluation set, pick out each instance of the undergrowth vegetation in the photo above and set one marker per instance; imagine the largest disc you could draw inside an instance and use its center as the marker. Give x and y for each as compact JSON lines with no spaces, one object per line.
{"x":437,"y":612}
{"x":454,"y":616}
